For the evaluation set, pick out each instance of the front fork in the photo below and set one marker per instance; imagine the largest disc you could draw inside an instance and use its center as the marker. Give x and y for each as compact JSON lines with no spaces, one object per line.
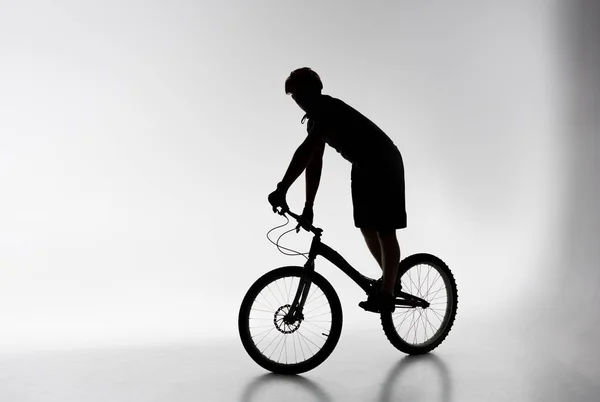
{"x":295,"y":313}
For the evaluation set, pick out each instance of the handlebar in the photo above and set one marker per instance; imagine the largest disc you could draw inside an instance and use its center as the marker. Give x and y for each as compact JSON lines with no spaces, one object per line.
{"x":303,"y":223}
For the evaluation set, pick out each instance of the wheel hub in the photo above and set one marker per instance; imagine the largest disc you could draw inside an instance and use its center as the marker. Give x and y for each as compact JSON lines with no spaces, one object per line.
{"x":284,"y":322}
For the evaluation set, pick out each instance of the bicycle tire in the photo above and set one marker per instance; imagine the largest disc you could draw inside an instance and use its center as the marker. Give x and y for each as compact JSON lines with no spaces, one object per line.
{"x":332,"y":338}
{"x":387,"y":318}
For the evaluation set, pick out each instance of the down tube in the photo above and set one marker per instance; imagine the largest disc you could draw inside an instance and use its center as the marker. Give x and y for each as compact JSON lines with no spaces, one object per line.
{"x":336,"y":259}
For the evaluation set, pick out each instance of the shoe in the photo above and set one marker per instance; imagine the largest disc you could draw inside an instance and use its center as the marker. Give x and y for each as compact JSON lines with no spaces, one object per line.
{"x":378,"y":302}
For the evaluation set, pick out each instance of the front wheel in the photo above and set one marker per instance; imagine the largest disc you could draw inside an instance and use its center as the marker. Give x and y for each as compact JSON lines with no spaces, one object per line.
{"x":417,"y":330}
{"x":275,"y":342}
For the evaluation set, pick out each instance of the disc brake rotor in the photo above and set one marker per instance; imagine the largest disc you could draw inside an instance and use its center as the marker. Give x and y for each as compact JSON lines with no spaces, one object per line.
{"x":282,"y":324}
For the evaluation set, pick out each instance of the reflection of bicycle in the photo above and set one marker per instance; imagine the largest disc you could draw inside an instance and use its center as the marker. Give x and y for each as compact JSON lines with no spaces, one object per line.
{"x":295,"y":388}
{"x":398,"y":384}
{"x":290,"y":319}
{"x":411,"y":372}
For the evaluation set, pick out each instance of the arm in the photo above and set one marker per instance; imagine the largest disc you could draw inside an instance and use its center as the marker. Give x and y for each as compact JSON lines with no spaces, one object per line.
{"x":313,"y":142}
{"x":313,"y":174}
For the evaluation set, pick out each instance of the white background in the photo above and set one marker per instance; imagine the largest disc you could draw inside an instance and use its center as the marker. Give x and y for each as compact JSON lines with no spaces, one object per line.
{"x":139,"y":141}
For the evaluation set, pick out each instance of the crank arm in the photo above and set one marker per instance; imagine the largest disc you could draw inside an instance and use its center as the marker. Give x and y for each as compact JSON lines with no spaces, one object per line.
{"x":409,"y":300}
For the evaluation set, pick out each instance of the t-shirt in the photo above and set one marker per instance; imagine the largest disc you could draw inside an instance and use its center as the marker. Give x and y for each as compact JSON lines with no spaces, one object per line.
{"x":356,"y":138}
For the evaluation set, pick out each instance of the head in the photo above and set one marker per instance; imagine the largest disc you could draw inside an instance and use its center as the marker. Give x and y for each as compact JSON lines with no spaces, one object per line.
{"x":305,"y":86}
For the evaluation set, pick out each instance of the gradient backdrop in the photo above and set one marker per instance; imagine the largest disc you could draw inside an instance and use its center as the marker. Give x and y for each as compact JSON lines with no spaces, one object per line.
{"x":139,"y":141}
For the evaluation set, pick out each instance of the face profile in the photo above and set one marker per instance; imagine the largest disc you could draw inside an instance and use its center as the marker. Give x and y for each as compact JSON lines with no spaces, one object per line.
{"x":302,"y":100}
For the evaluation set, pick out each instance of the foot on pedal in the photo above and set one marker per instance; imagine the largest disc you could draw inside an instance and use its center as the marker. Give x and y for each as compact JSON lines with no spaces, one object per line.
{"x":379,"y":302}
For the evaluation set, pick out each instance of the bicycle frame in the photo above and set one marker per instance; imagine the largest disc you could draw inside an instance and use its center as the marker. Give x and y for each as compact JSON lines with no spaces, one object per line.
{"x":317,"y":248}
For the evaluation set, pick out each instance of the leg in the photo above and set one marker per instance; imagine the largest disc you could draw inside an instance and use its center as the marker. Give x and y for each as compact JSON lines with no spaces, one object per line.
{"x":390,"y":256}
{"x":372,"y":240}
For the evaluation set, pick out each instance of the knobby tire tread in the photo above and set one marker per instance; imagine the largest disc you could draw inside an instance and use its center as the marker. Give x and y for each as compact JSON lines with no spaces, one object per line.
{"x":387,"y":321}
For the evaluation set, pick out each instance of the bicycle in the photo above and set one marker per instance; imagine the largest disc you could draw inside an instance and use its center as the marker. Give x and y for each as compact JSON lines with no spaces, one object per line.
{"x":280,"y":303}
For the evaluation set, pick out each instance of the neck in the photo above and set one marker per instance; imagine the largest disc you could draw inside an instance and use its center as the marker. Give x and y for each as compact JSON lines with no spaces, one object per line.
{"x":314,"y":104}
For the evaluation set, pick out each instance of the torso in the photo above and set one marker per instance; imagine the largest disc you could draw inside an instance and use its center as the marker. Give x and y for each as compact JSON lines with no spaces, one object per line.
{"x":356,"y":138}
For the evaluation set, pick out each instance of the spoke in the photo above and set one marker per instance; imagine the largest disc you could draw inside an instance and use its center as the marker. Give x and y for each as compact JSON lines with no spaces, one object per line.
{"x":310,"y":301}
{"x":312,"y":291}
{"x":275,"y":347}
{"x":415,"y":286}
{"x":279,"y":288}
{"x":265,"y":311}
{"x":318,"y":326}
{"x":443,"y":287}
{"x":262,"y":304}
{"x":439,"y":315}
{"x":423,"y":325}
{"x":295,"y":353}
{"x":428,"y":272}
{"x":405,"y":318}
{"x":256,"y":344}
{"x":285,"y":347}
{"x":300,"y":343}
{"x":399,"y":313}
{"x":260,"y":333}
{"x":305,"y":342}
{"x":273,"y":340}
{"x":285,"y":289}
{"x":416,"y":329}
{"x":433,"y":283}
{"x":327,"y":312}
{"x":411,"y":311}
{"x":439,"y":297}
{"x":320,"y":336}
{"x":316,"y":308}
{"x":276,"y":298}
{"x":419,"y":321}
{"x":411,"y":325}
{"x":430,"y":324}
{"x":280,"y":353}
{"x":318,"y":347}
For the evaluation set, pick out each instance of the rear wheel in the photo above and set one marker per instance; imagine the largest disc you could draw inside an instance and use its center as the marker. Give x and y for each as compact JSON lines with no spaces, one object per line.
{"x":279,"y":344}
{"x":417,"y":330}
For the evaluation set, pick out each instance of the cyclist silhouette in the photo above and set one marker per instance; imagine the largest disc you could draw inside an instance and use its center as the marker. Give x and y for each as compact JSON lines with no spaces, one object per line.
{"x":377,"y":176}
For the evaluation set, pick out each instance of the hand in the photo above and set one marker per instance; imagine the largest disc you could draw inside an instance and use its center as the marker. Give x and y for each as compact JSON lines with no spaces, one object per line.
{"x":277,"y":198}
{"x":307,"y":215}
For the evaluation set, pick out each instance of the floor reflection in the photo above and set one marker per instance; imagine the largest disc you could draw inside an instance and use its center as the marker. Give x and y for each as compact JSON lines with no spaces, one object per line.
{"x":294,"y":387}
{"x":430,"y":368}
{"x":423,"y":377}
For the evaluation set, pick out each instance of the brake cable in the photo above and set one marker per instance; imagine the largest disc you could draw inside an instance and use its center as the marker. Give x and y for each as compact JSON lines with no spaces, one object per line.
{"x":294,"y":252}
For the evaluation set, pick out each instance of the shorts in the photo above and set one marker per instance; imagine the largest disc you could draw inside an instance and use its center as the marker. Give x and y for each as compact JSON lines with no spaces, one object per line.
{"x":378,"y":196}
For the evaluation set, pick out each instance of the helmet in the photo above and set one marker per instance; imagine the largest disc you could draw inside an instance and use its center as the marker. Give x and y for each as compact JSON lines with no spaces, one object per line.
{"x":303,"y":79}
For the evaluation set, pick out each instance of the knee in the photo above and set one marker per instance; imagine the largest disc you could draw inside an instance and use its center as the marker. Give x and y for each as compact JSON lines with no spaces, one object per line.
{"x":388,"y":240}
{"x":387,"y":235}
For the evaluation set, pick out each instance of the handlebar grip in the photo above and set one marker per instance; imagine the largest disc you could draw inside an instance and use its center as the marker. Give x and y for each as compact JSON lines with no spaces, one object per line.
{"x":303,"y":224}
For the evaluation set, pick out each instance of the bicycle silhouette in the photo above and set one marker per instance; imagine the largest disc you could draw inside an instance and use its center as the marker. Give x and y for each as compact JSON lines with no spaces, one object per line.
{"x":290,"y":319}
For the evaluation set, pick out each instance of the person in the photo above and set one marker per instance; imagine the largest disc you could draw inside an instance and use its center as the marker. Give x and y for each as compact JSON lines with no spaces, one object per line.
{"x":377,"y":175}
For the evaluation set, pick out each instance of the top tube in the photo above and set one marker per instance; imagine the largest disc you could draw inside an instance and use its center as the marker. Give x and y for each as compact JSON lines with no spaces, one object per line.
{"x":303,"y":223}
